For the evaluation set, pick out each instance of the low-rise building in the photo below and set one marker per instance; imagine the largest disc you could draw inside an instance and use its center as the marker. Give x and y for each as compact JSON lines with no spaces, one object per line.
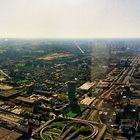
{"x":6,"y":134}
{"x":86,"y":87}
{"x":87,"y":101}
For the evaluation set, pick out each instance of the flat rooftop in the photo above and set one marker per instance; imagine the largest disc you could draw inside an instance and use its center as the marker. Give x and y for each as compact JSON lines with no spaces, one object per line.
{"x":103,"y":84}
{"x":6,"y":134}
{"x":25,"y":99}
{"x":136,"y":101}
{"x":9,"y":93}
{"x":87,"y":86}
{"x":87,"y":101}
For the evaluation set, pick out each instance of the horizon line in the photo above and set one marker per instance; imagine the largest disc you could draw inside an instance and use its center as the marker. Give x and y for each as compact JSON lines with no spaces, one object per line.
{"x":66,"y":38}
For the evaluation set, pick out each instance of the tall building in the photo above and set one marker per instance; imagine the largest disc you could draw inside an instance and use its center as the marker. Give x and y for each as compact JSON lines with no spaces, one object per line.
{"x":72,"y":97}
{"x":72,"y":93}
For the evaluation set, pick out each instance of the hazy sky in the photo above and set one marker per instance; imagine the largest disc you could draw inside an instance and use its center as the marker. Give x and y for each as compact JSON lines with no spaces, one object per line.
{"x":70,"y":18}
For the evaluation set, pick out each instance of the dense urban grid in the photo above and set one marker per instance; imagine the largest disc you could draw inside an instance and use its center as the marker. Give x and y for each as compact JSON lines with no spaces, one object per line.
{"x":69,"y":89}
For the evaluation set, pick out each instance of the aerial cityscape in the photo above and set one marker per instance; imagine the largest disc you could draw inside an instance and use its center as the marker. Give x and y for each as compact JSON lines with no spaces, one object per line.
{"x":69,"y":89}
{"x":69,"y":69}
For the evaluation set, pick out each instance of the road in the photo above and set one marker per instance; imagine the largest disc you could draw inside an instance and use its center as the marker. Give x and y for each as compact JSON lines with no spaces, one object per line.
{"x":3,"y":73}
{"x":125,"y":75}
{"x":66,"y":133}
{"x":42,"y":126}
{"x":122,"y":78}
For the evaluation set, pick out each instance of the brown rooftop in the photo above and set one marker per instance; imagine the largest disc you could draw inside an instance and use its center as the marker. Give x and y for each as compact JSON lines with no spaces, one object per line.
{"x":9,"y":93}
{"x":6,"y":134}
{"x":25,"y":99}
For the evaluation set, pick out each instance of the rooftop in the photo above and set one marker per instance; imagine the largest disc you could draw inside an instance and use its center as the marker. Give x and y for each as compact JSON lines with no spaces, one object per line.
{"x":25,"y":99}
{"x":87,"y":86}
{"x":103,"y":84}
{"x":87,"y":101}
{"x":6,"y":134}
{"x":9,"y":93}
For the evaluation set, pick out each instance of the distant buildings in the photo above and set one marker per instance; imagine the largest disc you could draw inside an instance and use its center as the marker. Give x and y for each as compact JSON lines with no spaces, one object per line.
{"x":128,"y":126}
{"x":124,"y":63}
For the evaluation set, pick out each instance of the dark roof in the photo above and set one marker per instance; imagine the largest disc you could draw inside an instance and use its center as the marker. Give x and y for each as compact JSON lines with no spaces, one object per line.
{"x":9,"y":93}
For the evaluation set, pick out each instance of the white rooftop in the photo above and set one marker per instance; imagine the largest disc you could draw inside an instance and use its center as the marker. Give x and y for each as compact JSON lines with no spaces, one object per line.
{"x":86,"y":86}
{"x":87,"y":101}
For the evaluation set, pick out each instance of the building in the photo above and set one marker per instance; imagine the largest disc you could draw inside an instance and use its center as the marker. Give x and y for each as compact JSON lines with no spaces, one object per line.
{"x":42,"y":92}
{"x":87,"y":101}
{"x":86,"y":87}
{"x":27,"y":102}
{"x":72,"y":97}
{"x":102,"y":84}
{"x":128,"y":127}
{"x":30,"y":88}
{"x":72,"y":93}
{"x":6,"y":134}
{"x":10,"y":94}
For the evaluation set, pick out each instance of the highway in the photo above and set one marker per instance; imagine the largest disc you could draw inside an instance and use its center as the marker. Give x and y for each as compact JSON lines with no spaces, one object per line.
{"x":42,"y":126}
{"x":66,"y":133}
{"x":3,"y":73}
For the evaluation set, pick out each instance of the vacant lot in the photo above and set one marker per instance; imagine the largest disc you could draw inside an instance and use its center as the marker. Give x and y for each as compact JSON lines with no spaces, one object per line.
{"x":55,"y":56}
